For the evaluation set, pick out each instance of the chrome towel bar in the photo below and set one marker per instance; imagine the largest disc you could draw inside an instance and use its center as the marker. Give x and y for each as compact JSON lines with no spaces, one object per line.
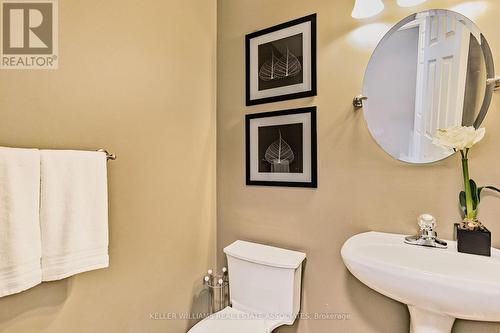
{"x":109,"y":156}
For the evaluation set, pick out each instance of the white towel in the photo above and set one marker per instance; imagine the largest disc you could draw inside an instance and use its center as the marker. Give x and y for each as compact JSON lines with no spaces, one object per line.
{"x":73,"y":212}
{"x":19,"y":220}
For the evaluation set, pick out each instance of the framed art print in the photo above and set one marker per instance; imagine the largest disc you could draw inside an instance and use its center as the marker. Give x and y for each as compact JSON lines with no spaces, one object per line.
{"x":281,"y":62}
{"x":281,"y":148}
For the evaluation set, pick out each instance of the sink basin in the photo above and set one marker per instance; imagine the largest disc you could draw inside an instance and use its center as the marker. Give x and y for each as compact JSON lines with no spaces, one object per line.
{"x":438,"y":285}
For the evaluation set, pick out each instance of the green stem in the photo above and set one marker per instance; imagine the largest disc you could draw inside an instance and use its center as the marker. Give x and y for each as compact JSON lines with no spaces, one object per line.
{"x":467,"y":189}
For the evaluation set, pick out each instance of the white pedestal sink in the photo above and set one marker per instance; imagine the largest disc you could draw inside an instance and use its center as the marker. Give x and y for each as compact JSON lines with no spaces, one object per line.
{"x":438,"y":285}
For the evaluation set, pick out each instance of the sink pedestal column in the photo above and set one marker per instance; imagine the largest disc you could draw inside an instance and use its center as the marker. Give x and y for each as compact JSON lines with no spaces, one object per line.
{"x":424,"y":321}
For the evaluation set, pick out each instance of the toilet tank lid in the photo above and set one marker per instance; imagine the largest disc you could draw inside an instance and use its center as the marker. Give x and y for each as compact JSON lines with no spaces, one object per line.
{"x":265,"y":254}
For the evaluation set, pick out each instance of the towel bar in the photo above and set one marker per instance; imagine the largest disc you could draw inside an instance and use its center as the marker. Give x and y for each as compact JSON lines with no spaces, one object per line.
{"x":109,"y":156}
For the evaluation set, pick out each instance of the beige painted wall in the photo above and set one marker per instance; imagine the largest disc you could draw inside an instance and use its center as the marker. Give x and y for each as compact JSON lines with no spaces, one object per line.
{"x":137,"y":78}
{"x":360,"y":187}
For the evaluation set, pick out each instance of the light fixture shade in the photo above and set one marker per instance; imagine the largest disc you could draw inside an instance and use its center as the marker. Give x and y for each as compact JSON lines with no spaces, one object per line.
{"x":410,"y":3}
{"x":367,"y":8}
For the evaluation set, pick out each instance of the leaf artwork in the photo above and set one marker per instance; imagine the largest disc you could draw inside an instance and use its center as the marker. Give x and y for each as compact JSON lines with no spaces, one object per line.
{"x":280,"y":68}
{"x":279,"y":155}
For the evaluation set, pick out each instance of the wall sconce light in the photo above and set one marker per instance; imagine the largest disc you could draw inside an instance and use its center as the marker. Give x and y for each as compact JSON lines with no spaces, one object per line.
{"x":367,"y":8}
{"x":410,"y":3}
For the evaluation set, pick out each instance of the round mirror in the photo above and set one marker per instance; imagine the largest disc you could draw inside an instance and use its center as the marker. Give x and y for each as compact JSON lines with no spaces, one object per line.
{"x":429,"y":71}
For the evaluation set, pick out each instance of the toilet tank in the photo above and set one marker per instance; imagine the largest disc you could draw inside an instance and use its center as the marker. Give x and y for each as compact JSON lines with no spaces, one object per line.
{"x":265,"y":280}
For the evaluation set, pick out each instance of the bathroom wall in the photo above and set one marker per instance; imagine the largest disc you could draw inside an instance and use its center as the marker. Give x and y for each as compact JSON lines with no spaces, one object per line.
{"x":137,"y":78}
{"x":361,"y":188}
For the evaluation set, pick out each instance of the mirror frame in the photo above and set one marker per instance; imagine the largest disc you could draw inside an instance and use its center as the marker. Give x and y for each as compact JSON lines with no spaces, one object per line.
{"x":489,"y":64}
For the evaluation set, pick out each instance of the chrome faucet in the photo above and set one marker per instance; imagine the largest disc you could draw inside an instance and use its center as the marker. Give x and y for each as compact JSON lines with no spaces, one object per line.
{"x":427,"y":235}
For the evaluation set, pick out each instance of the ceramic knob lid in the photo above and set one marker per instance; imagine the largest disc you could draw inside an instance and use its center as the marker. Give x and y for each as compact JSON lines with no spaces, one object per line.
{"x":427,"y":222}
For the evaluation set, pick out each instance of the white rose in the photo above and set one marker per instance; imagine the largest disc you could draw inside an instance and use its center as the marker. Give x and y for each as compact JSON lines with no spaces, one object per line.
{"x":458,"y":137}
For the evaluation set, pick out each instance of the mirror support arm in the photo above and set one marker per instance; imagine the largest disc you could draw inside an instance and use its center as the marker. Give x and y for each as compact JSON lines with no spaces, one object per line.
{"x":495,"y":82}
{"x":358,"y":101}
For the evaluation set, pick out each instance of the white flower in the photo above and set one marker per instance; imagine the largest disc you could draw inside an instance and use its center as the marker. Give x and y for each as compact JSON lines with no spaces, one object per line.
{"x":458,"y":137}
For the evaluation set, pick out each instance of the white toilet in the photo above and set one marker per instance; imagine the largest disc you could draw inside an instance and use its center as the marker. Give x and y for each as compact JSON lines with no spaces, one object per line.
{"x":264,"y":287}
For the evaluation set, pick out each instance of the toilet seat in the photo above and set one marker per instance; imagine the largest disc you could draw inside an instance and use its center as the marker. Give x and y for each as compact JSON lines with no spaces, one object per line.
{"x":230,"y":320}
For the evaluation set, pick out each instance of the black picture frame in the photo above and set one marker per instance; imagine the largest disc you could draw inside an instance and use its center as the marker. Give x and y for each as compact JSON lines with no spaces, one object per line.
{"x":283,"y":114}
{"x":309,"y":78}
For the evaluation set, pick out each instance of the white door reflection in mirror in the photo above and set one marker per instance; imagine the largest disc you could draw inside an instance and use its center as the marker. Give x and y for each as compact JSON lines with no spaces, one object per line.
{"x":441,"y":75}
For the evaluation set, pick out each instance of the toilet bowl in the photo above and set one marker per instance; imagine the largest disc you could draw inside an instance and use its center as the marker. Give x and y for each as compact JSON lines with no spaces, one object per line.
{"x":264,"y":288}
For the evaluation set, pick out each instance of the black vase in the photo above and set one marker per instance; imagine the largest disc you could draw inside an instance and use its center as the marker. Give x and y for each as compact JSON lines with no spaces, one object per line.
{"x":474,"y":242}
